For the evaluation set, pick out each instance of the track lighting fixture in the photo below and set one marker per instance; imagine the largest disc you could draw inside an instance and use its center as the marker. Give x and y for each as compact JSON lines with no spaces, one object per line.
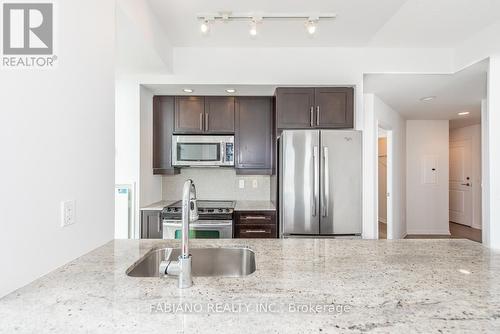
{"x":311,"y":22}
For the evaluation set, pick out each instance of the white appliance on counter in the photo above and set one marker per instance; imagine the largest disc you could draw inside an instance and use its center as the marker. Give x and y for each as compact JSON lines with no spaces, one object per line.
{"x":202,"y":150}
{"x":320,"y":183}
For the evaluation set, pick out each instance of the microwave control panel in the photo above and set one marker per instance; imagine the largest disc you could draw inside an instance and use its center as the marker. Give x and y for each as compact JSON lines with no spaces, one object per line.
{"x":229,"y":152}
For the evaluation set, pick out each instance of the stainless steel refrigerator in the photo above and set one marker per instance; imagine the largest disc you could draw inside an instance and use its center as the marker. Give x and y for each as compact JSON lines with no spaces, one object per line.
{"x":320,"y":183}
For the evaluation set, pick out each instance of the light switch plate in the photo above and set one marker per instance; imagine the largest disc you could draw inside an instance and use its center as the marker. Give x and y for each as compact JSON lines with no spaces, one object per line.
{"x":68,"y":213}
{"x":255,"y":184}
{"x":242,"y":184}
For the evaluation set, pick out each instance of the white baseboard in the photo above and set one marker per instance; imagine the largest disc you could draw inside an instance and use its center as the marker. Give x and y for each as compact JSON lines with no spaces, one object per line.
{"x":429,"y":232}
{"x":476,"y":226}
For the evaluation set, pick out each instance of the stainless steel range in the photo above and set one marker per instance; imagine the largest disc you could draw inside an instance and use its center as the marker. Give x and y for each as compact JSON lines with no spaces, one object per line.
{"x":215,"y":220}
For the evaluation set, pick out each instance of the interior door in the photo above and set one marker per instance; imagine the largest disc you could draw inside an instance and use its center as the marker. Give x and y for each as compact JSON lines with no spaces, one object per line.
{"x":299,"y":179}
{"x":340,"y":184}
{"x":461,"y":182}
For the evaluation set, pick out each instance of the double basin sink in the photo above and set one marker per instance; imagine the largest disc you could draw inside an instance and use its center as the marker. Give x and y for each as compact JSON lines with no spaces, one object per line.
{"x":226,"y":262}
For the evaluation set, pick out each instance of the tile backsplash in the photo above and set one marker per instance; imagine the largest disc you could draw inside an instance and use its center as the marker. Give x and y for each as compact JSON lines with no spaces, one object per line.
{"x":217,"y":183}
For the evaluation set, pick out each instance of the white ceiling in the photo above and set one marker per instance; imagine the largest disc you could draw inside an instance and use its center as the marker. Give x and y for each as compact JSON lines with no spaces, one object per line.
{"x":395,"y":23}
{"x":462,"y":91}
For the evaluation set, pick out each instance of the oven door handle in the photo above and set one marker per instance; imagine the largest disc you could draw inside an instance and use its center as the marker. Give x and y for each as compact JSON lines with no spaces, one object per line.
{"x":200,"y":225}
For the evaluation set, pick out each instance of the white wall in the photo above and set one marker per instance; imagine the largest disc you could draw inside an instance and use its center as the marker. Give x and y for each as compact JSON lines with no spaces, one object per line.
{"x":427,"y":205}
{"x":56,"y":139}
{"x":141,"y":43}
{"x":217,"y":183}
{"x":377,"y":113}
{"x":491,"y":162}
{"x":473,"y":133}
{"x":478,"y":47}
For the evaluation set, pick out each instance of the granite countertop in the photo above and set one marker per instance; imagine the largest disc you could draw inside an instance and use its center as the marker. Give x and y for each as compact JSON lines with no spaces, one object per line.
{"x":158,"y":206}
{"x":254,"y":206}
{"x":344,"y":286}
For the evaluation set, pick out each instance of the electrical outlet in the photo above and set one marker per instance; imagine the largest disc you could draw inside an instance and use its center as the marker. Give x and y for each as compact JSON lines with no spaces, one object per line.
{"x":242,"y":184}
{"x":255,"y":184}
{"x":68,"y":216}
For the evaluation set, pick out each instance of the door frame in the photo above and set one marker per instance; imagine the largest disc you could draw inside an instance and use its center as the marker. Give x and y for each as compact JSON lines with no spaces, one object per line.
{"x":390,"y":178}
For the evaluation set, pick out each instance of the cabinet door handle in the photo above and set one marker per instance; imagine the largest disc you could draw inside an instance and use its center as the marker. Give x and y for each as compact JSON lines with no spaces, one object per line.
{"x":256,"y":217}
{"x":315,"y":180}
{"x":311,"y":112}
{"x":326,"y":184}
{"x":257,"y":231}
{"x":317,"y":115}
{"x":201,"y":121}
{"x":206,"y":121}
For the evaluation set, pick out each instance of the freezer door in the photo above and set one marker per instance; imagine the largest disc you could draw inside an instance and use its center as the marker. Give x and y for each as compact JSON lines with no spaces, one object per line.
{"x":299,"y":182}
{"x":340,"y":182}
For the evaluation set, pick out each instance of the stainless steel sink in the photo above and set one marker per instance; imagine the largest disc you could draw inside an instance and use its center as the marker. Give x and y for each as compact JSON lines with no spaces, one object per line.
{"x":228,"y":262}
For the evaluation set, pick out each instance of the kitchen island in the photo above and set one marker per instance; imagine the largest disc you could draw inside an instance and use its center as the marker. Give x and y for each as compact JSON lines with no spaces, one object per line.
{"x":299,"y":286}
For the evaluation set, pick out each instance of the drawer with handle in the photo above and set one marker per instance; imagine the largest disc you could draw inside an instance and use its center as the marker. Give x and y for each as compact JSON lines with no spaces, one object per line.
{"x":256,"y":217}
{"x":255,"y":224}
{"x":255,"y":231}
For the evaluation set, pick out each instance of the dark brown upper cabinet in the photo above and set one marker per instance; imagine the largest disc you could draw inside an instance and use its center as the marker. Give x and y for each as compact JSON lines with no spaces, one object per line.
{"x":204,"y":114}
{"x":254,"y":135}
{"x":189,"y":114}
{"x":219,"y":114}
{"x":294,"y":107}
{"x":304,"y":108}
{"x":163,"y":127}
{"x":334,"y":107}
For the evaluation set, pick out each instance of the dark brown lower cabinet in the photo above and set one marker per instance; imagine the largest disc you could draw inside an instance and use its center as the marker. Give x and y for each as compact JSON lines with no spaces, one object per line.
{"x":255,"y":224}
{"x":151,"y":224}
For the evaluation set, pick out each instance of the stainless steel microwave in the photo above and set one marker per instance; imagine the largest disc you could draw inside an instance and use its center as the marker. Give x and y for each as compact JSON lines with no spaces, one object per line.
{"x":202,"y":150}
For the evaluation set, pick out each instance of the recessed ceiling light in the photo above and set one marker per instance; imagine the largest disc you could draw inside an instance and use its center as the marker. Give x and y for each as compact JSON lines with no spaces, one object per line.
{"x":230,"y":90}
{"x":463,"y":113}
{"x":464,"y":271}
{"x":427,"y":98}
{"x":187,"y":90}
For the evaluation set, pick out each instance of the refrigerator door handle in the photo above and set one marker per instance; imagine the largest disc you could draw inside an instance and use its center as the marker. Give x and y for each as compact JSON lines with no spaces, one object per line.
{"x":326,"y":183}
{"x":315,"y":180}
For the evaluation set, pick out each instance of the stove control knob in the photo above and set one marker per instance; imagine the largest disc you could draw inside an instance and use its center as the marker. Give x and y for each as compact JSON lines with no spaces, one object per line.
{"x":220,"y":210}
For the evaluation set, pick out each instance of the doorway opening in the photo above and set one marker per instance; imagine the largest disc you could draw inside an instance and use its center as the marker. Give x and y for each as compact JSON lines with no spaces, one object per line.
{"x":384,"y":183}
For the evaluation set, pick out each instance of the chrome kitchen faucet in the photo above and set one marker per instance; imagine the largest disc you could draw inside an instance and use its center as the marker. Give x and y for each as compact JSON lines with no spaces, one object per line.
{"x":182,"y":267}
